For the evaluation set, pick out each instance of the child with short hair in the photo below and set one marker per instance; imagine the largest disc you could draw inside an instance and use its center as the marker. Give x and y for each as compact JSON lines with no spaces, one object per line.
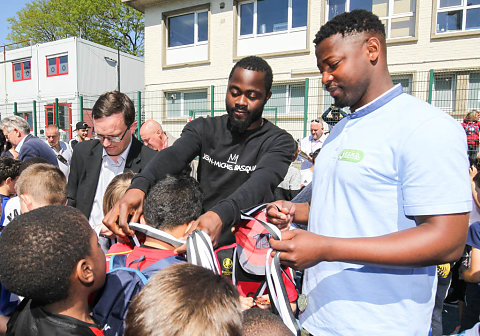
{"x":12,"y":208}
{"x":41,"y":184}
{"x":51,"y":257}
{"x":193,"y":300}
{"x":9,"y":171}
{"x":258,"y":322}
{"x":171,"y":206}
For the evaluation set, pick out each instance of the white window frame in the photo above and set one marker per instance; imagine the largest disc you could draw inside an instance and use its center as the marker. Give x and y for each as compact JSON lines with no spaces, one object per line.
{"x":183,"y":113}
{"x":407,"y":77}
{"x":388,"y":19}
{"x":453,"y":77}
{"x":255,"y":32}
{"x":472,"y":102}
{"x":462,"y":7}
{"x":195,"y":29}
{"x":288,"y":100}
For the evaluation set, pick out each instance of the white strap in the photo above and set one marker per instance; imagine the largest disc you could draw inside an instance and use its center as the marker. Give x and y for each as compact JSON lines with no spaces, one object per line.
{"x":278,"y":293}
{"x":200,"y":251}
{"x":156,"y":233}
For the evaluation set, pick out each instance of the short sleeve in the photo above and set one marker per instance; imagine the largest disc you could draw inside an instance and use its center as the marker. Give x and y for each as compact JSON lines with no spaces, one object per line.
{"x":433,"y":169}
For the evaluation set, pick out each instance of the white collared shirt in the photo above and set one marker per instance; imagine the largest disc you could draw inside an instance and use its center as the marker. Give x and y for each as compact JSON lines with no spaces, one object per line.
{"x":66,"y":153}
{"x":108,"y":171}
{"x":20,"y":144}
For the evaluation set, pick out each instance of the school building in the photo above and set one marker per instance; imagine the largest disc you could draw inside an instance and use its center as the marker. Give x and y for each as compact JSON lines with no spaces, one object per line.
{"x":191,"y":46}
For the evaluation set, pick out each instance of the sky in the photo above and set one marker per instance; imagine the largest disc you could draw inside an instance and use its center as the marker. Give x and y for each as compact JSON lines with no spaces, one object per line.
{"x":8,"y":8}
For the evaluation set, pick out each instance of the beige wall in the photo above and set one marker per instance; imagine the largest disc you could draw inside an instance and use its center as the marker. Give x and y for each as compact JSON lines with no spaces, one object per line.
{"x":421,"y":53}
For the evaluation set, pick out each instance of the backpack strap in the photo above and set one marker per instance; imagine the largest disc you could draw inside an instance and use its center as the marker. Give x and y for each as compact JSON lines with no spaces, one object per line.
{"x":200,"y":251}
{"x":161,"y":264}
{"x":117,"y":261}
{"x":157,"y":234}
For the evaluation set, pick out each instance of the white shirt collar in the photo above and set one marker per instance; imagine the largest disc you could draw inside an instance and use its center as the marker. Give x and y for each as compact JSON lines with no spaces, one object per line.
{"x":18,"y":148}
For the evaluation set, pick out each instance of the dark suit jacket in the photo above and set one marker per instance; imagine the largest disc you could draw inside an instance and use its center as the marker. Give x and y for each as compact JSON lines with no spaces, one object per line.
{"x":34,"y":147}
{"x":85,"y":170}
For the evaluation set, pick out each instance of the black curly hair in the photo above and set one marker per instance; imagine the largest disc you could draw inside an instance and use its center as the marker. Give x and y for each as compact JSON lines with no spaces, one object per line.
{"x":356,"y":21}
{"x":255,"y":63}
{"x":173,"y":201}
{"x":9,"y":167}
{"x":40,"y":250}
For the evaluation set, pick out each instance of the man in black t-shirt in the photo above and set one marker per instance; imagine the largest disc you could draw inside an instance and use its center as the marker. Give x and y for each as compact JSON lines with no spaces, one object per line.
{"x":242,"y":157}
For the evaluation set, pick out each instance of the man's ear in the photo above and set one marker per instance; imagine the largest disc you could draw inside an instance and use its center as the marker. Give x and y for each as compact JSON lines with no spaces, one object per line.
{"x":267,"y":97}
{"x":374,"y":47}
{"x":133,"y":127}
{"x":84,"y":272}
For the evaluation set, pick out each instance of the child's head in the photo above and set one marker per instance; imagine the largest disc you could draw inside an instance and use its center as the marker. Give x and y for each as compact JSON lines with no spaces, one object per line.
{"x":9,"y":171}
{"x":116,"y":189}
{"x":50,"y":252}
{"x":258,"y":322}
{"x":194,"y":301}
{"x":472,"y":115}
{"x":41,"y":184}
{"x":172,"y":202}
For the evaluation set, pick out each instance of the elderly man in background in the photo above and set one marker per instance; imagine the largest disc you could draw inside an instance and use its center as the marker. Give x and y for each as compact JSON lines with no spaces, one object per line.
{"x":308,"y":146}
{"x":154,"y":137}
{"x":17,"y":132}
{"x":59,"y":148}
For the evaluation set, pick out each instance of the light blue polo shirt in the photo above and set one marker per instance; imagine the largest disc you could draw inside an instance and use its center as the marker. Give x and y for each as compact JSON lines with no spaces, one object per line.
{"x":394,"y":158}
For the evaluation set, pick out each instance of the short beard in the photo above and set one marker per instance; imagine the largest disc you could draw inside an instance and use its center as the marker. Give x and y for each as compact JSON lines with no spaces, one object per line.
{"x":240,"y":126}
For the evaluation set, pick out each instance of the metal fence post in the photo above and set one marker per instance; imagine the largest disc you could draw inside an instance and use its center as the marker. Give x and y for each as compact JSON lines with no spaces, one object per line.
{"x":430,"y":86}
{"x":56,"y":112}
{"x":305,"y":108}
{"x":34,"y":117}
{"x":139,"y":113}
{"x":212,"y":101}
{"x":81,"y":108}
{"x":15,"y":108}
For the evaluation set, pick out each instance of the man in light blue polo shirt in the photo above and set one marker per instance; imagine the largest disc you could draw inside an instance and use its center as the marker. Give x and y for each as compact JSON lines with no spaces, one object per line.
{"x":391,"y":196}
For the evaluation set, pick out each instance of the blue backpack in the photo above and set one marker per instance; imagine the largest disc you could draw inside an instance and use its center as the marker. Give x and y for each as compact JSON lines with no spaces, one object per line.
{"x":121,"y":285}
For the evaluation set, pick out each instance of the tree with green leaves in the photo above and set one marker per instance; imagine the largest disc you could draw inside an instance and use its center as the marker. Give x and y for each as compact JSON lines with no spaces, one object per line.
{"x":107,"y":22}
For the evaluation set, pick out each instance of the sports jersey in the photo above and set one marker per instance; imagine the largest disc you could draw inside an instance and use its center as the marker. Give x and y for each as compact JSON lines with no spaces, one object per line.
{"x":30,"y":319}
{"x":141,"y":256}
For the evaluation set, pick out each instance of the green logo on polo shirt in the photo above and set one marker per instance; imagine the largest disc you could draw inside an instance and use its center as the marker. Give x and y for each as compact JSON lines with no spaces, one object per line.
{"x":351,"y":155}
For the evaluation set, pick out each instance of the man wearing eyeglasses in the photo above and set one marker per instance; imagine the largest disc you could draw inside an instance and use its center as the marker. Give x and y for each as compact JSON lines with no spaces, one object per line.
{"x":95,"y":163}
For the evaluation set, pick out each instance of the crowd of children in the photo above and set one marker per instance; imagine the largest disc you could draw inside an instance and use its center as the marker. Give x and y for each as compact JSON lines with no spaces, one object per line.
{"x":55,"y":276}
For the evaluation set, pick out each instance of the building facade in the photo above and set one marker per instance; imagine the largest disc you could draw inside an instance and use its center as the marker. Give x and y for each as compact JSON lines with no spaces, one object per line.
{"x":45,"y":83}
{"x":191,"y":45}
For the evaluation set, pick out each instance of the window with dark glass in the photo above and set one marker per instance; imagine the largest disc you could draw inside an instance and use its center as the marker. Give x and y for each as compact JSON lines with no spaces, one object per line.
{"x":57,"y":66}
{"x":21,"y":71}
{"x":457,"y":15}
{"x":398,"y":16}
{"x":188,"y":29}
{"x":268,"y":16}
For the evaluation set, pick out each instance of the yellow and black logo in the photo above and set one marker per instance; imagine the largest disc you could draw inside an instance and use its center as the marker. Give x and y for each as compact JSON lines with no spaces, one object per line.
{"x":227,"y":263}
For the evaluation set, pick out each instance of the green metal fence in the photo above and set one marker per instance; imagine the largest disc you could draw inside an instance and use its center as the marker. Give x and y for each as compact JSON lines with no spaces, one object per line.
{"x":292,"y":105}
